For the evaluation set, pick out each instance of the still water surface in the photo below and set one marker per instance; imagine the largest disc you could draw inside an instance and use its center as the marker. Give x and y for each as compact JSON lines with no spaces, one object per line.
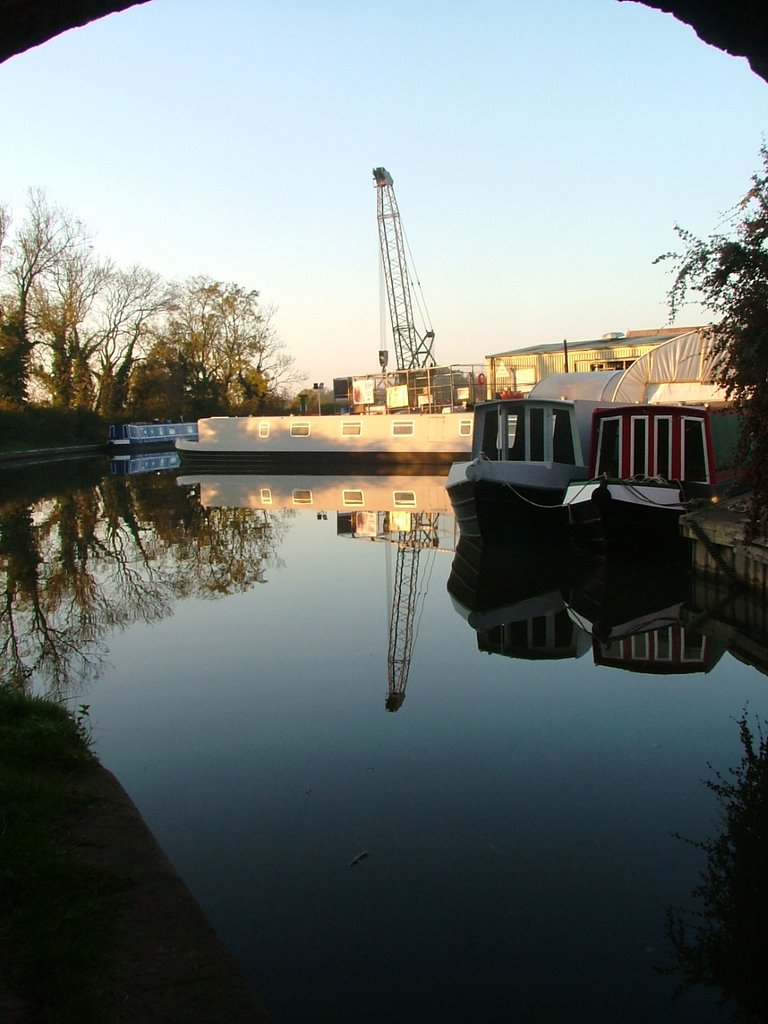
{"x":516,"y":799}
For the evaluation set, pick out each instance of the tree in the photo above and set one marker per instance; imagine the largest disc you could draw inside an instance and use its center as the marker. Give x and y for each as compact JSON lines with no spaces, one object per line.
{"x":226,"y":342}
{"x":720,"y":944}
{"x":61,"y":314}
{"x":728,"y":271}
{"x":45,"y":238}
{"x":158,"y":388}
{"x":132,"y":302}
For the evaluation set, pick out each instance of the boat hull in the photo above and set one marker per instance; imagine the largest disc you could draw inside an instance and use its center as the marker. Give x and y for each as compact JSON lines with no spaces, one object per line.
{"x":628,"y":518}
{"x":490,"y":504}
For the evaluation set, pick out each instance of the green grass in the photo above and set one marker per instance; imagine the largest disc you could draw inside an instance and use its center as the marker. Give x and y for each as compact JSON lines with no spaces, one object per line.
{"x":56,"y":912}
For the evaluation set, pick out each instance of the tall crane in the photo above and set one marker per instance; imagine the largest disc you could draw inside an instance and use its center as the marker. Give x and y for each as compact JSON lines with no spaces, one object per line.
{"x":412,"y":350}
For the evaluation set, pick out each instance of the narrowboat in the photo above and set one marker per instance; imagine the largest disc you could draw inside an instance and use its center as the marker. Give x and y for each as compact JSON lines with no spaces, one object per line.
{"x":525,"y":453}
{"x":149,"y":435}
{"x":408,"y":441}
{"x":648,"y":465}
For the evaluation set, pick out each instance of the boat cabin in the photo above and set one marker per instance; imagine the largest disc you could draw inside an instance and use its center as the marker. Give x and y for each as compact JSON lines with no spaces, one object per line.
{"x":672,"y":442}
{"x":523,"y":430}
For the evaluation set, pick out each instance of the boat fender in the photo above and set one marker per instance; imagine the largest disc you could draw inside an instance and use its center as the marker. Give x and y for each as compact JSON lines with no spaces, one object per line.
{"x":473,"y":470}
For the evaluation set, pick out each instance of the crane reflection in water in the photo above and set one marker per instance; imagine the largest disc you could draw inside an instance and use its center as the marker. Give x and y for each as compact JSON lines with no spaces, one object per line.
{"x":410,"y":514}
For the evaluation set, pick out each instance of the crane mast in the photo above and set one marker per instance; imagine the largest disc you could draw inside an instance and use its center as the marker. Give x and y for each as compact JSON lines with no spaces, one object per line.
{"x":412,"y":350}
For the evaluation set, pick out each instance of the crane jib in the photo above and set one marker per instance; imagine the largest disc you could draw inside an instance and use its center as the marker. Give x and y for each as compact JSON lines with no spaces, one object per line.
{"x":413,"y":350}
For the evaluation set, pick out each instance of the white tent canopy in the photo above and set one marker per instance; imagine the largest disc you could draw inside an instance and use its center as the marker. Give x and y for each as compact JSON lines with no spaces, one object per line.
{"x":679,"y":372}
{"x":598,"y":386}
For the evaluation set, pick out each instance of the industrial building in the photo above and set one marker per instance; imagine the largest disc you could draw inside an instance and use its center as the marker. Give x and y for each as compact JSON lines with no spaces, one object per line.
{"x":516,"y":372}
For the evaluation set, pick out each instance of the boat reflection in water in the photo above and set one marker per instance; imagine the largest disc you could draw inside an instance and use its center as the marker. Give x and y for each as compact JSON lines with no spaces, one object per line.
{"x":511,"y":595}
{"x":410,"y":512}
{"x":131,"y":465}
{"x":527,"y":601}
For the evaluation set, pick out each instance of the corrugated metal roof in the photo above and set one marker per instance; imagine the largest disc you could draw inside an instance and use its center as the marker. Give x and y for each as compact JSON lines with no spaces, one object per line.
{"x":597,"y":344}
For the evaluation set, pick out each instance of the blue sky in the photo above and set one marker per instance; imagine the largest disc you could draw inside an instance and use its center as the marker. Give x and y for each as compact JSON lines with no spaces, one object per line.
{"x":541,"y":156}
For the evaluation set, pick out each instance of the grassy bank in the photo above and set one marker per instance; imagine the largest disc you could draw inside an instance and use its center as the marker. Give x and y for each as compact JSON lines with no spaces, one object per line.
{"x":55,"y":912}
{"x":40,"y":426}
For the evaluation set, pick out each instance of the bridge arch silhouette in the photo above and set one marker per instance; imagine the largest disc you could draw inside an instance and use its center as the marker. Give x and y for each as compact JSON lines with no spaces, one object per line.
{"x":738,"y":27}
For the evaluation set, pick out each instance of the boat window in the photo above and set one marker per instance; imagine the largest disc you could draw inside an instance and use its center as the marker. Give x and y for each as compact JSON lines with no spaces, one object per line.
{"x":639,"y":465}
{"x":302,"y":497}
{"x":490,"y":437}
{"x":352,"y":498}
{"x":351,"y":429}
{"x":564,"y":630}
{"x":693,"y":648}
{"x":511,"y":429}
{"x":465,"y":428}
{"x":725,"y":427}
{"x":264,"y":428}
{"x":538,"y":631}
{"x":536,"y":428}
{"x":516,"y":436}
{"x":694,"y":451}
{"x":299,"y":430}
{"x":266,"y":495}
{"x":402,"y":428}
{"x":404,"y":499}
{"x":663,"y":426}
{"x":612,"y":650}
{"x":639,"y":647}
{"x":664,"y":644}
{"x":562,"y":438}
{"x":608,"y":447}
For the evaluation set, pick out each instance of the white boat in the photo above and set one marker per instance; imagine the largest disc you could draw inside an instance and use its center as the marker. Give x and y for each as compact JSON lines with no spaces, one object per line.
{"x":649,"y":464}
{"x":149,"y":435}
{"x":525,"y":453}
{"x":324,"y":443}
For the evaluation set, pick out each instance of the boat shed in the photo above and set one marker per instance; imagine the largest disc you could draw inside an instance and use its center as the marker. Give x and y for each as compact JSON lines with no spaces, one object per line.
{"x":677,"y":372}
{"x":518,"y":371}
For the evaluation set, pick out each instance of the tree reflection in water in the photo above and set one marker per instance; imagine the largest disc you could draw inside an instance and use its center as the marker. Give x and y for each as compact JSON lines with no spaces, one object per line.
{"x":83,"y":553}
{"x":722,"y":944}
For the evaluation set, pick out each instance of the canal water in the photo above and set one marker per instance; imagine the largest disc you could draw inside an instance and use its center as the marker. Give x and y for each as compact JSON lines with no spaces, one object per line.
{"x":408,"y":781}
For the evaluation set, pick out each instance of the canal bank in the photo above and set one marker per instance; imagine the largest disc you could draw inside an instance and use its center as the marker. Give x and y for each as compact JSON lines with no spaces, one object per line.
{"x":164,"y":962}
{"x":729,"y":579}
{"x":168,"y":964}
{"x":721,"y":550}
